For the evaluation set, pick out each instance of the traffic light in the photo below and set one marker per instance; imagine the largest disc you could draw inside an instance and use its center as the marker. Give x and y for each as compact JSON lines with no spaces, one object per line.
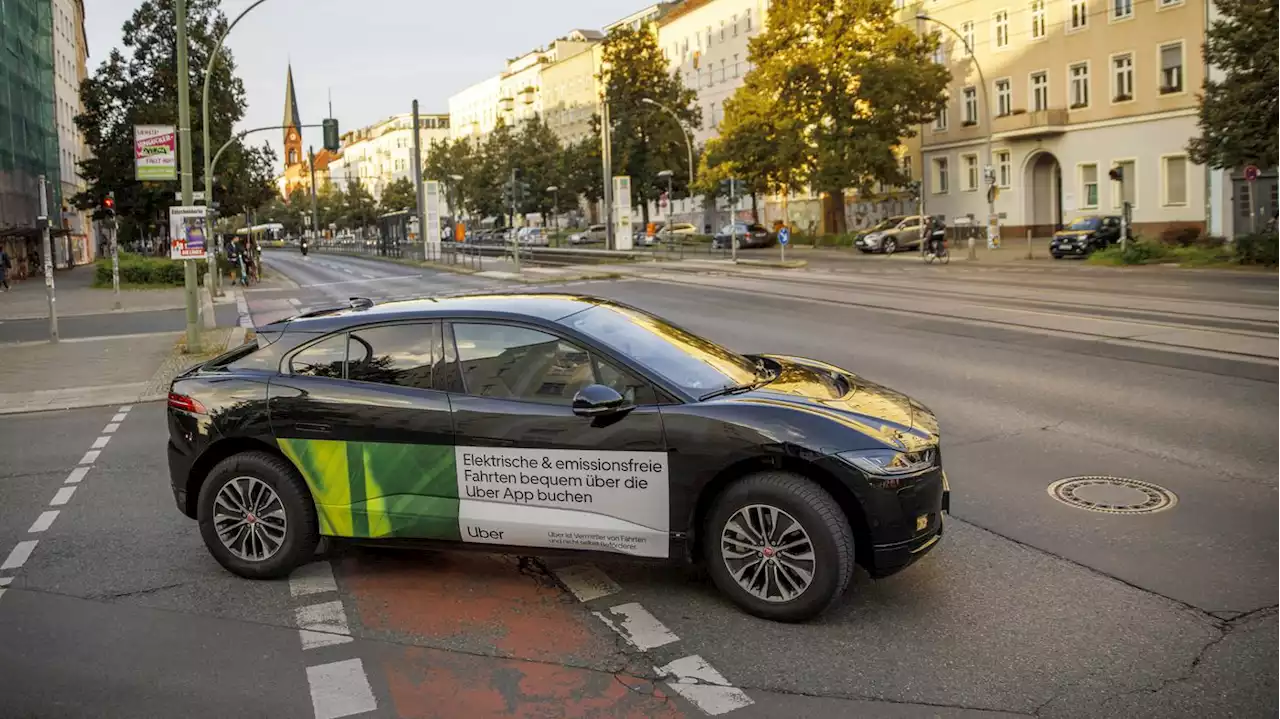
{"x":331,"y":140}
{"x":729,"y":187}
{"x":1116,"y":174}
{"x":109,"y":205}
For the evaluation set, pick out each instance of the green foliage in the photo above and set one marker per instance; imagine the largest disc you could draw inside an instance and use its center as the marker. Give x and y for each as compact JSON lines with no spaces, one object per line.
{"x":137,"y":84}
{"x":144,"y":271}
{"x":358,"y":206}
{"x":1238,"y":115}
{"x":445,"y":160}
{"x":1257,"y":249}
{"x":398,"y":196}
{"x":835,"y":86}
{"x":645,"y":139}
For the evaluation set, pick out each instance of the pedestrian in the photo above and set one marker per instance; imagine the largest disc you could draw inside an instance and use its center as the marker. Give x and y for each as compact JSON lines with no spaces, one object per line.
{"x":5,"y":264}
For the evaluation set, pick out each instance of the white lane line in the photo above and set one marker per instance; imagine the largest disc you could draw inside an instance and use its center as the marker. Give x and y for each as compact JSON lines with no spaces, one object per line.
{"x":119,"y":416}
{"x":76,"y":475}
{"x":62,"y":496}
{"x":340,"y":689}
{"x":587,"y":582}
{"x":43,"y":522}
{"x":100,"y":442}
{"x":313,"y":578}
{"x":90,"y":457}
{"x":638,"y":626}
{"x":18,"y":556}
{"x":125,"y":408}
{"x":704,"y":687}
{"x":322,"y":625}
{"x":295,"y":301}
{"x":4,"y":581}
{"x":111,"y":428}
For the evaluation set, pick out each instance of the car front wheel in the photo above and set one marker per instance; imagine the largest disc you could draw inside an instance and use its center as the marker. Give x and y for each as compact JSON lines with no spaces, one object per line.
{"x":890,"y":246}
{"x":779,"y":546}
{"x":257,"y":517}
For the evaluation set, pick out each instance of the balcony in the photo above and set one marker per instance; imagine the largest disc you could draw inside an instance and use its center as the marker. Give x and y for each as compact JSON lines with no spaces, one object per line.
{"x":1030,"y":125}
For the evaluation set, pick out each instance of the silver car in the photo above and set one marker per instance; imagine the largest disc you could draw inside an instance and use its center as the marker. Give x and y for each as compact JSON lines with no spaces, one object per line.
{"x":891,"y":235}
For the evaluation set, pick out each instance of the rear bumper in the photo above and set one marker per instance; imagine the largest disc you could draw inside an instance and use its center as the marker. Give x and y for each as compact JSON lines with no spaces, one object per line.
{"x":179,"y":472}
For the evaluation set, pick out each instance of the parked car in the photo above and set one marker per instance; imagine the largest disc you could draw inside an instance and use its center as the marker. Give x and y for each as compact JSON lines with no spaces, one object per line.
{"x":532,"y":236}
{"x":1084,"y":235}
{"x":891,"y":235}
{"x":746,"y":235}
{"x":593,"y":234}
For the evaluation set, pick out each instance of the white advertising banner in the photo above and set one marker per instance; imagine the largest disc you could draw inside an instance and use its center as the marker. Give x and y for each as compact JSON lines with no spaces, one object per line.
{"x":188,"y":232}
{"x":432,"y":191}
{"x":155,"y":152}
{"x":622,"y":232}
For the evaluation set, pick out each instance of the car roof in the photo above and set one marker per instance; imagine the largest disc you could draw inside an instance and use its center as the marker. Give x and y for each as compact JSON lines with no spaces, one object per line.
{"x":514,"y":305}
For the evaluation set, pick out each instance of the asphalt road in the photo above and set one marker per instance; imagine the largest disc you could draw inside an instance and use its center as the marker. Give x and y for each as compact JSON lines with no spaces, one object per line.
{"x":107,"y":324}
{"x":1027,"y":607}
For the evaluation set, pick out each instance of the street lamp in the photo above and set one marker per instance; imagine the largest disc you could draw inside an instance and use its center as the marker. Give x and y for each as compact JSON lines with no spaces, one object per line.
{"x":687,"y":142}
{"x":457,"y":193}
{"x":667,"y":174}
{"x":989,"y":170}
{"x":555,"y":202}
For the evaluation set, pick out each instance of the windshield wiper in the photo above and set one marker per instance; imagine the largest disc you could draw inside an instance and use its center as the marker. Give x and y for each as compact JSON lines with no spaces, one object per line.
{"x":761,"y":380}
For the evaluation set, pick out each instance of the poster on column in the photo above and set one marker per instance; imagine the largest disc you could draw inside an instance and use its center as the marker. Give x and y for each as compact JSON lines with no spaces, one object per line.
{"x":187,"y":232}
{"x":622,"y":213}
{"x":432,"y":192}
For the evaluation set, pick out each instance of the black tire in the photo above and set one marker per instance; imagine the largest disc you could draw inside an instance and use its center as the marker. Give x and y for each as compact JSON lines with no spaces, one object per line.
{"x":302,"y":532}
{"x":890,"y":246}
{"x":817,"y":513}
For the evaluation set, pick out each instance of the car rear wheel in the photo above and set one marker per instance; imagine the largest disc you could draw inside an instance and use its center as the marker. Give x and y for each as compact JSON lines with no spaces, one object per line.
{"x":257,"y":517}
{"x":779,"y":546}
{"x":890,"y":245}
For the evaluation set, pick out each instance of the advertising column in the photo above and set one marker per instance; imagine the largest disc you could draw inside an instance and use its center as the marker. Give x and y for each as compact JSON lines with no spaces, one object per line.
{"x":433,"y":219}
{"x":622,"y":212}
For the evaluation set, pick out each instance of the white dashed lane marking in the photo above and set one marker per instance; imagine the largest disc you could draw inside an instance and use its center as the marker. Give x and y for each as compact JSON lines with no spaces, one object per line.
{"x":340,"y":689}
{"x":77,"y":474}
{"x":62,"y":496}
{"x":111,"y":428}
{"x":640,"y":628}
{"x":322,"y":625}
{"x":313,"y":578}
{"x":100,"y":442}
{"x":43,"y":522}
{"x":90,"y":457}
{"x":704,"y":687}
{"x":119,"y":417}
{"x":19,"y":554}
{"x":587,"y":582}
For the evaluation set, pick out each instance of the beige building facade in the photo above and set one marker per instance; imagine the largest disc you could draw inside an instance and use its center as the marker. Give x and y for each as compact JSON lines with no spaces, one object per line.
{"x":1076,"y":88}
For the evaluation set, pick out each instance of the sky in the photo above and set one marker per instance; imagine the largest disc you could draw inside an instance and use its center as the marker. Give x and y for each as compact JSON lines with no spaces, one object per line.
{"x":375,"y":56}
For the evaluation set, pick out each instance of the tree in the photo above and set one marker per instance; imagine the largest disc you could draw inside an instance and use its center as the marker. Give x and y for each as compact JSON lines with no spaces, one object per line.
{"x":760,"y":146}
{"x":492,"y":172}
{"x":835,"y":85}
{"x":645,"y":139}
{"x":580,"y":168}
{"x":448,"y":159}
{"x":360,"y":208}
{"x":137,"y":84}
{"x":245,"y":177}
{"x":398,"y":196}
{"x":331,"y":205}
{"x":537,"y":155}
{"x":1238,"y":124}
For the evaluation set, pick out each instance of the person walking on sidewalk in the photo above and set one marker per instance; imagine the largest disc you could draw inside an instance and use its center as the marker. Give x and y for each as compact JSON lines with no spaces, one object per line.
{"x":5,"y":265}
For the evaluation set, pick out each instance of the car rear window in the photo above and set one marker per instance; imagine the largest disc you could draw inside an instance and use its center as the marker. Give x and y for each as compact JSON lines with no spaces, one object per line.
{"x":694,"y":364}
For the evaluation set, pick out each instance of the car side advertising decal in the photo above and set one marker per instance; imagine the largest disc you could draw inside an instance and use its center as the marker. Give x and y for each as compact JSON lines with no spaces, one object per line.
{"x":557,"y":498}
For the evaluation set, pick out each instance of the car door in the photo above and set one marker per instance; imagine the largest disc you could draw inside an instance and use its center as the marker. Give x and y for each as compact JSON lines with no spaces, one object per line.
{"x":909,"y":233}
{"x":359,"y":414}
{"x":533,"y":473}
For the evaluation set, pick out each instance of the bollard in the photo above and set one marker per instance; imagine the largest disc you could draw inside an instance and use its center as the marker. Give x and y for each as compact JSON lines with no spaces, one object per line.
{"x":1030,"y":253}
{"x":973,"y":248}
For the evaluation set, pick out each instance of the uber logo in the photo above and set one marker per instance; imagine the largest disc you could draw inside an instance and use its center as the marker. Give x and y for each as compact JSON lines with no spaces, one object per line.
{"x":482,"y":533}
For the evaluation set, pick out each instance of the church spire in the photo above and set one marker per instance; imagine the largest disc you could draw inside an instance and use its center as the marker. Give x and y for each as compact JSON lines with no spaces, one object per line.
{"x":291,"y":119}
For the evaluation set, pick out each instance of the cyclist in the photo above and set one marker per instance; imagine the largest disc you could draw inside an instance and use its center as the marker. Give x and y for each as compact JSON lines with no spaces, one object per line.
{"x":935,"y":240}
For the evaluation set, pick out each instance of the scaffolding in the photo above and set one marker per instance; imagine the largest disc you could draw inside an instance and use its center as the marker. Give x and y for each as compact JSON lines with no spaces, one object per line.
{"x":28,"y":132}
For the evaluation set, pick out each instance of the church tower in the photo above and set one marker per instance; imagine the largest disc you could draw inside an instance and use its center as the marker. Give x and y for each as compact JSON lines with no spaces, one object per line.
{"x":292,"y":125}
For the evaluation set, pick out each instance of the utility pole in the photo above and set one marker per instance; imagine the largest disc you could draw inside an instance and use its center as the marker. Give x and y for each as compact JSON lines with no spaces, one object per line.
{"x":47,"y":247}
{"x":515,"y":241}
{"x":418,"y":189}
{"x":184,"y":146}
{"x":606,"y":156}
{"x":315,"y":218}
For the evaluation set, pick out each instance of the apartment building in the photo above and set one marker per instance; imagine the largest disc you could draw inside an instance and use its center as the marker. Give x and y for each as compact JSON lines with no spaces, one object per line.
{"x":571,"y":89}
{"x":382,"y":153}
{"x":70,"y":53}
{"x":1072,"y":89}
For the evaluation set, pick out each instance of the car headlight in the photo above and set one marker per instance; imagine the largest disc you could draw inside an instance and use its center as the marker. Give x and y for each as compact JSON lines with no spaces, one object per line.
{"x":889,"y":466}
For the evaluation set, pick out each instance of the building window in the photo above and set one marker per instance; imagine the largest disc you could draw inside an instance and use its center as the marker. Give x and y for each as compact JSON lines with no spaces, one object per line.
{"x":1122,"y":78}
{"x":1038,"y":20}
{"x":940,"y":120}
{"x":966,"y":31}
{"x":1089,"y":186}
{"x":722,"y":75}
{"x":1121,"y":9}
{"x":1079,"y":15}
{"x":1175,"y":180}
{"x":970,"y":106}
{"x":906,"y":166}
{"x":735,"y":65}
{"x":1171,"y":68}
{"x":940,"y":181}
{"x":1169,"y":3}
{"x":708,"y":37}
{"x":722,"y":29}
{"x":970,"y":163}
{"x":1000,"y":21}
{"x":1125,"y":191}
{"x":747,"y":19}
{"x":1079,"y":73}
{"x":1004,"y":97}
{"x":713,"y":113}
{"x":940,"y":54}
{"x":735,"y":25}
{"x":1039,"y":91}
{"x":1004,"y":168}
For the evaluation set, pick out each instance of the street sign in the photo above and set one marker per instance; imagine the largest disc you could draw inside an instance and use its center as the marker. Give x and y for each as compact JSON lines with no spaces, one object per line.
{"x":196,"y":196}
{"x":155,"y":152}
{"x":187,"y":232}
{"x":989,"y":174}
{"x":784,"y":235}
{"x":1251,"y":172}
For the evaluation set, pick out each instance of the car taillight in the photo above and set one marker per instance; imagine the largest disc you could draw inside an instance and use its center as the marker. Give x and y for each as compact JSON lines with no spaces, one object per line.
{"x":186,"y":404}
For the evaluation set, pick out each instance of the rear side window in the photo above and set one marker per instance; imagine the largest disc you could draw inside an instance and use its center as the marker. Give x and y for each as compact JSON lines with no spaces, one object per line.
{"x":401,"y":355}
{"x":322,"y":359}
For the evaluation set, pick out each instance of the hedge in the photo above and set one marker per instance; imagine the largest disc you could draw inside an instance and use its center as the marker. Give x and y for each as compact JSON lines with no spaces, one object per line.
{"x":143,"y":270}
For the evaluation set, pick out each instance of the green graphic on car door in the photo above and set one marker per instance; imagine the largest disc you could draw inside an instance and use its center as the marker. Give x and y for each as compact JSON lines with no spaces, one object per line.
{"x":556,"y":498}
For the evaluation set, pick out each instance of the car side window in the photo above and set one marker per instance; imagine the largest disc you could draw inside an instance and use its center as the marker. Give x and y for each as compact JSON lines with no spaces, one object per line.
{"x":507,"y":362}
{"x":636,"y":391}
{"x":325,"y":358}
{"x":401,"y":355}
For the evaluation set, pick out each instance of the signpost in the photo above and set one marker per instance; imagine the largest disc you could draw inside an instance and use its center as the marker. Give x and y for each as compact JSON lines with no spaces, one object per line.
{"x":155,"y":152}
{"x":784,"y":236}
{"x":1251,"y":173}
{"x":48,"y":260}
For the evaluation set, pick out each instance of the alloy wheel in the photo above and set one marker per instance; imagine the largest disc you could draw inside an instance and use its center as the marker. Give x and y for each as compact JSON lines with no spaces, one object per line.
{"x":768,"y":553}
{"x":249,"y":519}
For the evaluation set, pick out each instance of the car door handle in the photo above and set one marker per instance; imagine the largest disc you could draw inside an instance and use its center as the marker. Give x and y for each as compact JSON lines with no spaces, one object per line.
{"x":310,"y":427}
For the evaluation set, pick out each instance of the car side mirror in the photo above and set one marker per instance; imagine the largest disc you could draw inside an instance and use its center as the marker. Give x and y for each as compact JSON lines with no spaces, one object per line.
{"x":597,"y":400}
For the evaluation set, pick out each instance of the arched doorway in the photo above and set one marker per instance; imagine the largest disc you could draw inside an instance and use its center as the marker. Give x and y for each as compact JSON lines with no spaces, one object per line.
{"x":1042,"y":176}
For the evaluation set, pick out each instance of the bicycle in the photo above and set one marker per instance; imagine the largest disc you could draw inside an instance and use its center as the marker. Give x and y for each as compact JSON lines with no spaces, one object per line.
{"x":942,"y":254}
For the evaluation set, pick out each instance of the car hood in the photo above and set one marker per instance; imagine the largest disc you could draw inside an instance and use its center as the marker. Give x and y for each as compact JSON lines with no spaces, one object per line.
{"x":836,"y":394}
{"x":1071,"y":234}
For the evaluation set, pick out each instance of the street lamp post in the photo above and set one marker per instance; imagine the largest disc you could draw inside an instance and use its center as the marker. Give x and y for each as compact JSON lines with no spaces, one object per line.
{"x":184,"y":148}
{"x":989,"y":170}
{"x":555,"y":207}
{"x":667,"y":174}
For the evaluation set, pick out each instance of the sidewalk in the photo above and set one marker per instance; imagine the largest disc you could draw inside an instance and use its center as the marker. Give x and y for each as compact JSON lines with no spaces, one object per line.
{"x":76,"y":295}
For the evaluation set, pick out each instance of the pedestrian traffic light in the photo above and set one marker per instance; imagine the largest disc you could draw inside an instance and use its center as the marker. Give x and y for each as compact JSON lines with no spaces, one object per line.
{"x":332,"y":143}
{"x":109,"y":205}
{"x":1116,"y":174}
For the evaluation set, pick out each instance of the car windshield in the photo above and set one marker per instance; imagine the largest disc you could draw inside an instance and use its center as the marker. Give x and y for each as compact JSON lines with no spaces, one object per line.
{"x":887,"y":224}
{"x":693,"y":364}
{"x":1085,"y":223}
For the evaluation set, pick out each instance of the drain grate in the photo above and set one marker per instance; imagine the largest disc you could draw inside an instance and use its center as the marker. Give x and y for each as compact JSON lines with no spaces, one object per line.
{"x":1112,"y":495}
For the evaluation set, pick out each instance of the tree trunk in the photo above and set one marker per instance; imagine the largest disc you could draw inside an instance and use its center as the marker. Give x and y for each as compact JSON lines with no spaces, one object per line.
{"x":755,"y":209}
{"x":833,"y":212}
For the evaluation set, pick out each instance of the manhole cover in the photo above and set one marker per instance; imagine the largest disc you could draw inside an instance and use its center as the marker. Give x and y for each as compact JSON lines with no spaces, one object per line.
{"x":1113,"y":495}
